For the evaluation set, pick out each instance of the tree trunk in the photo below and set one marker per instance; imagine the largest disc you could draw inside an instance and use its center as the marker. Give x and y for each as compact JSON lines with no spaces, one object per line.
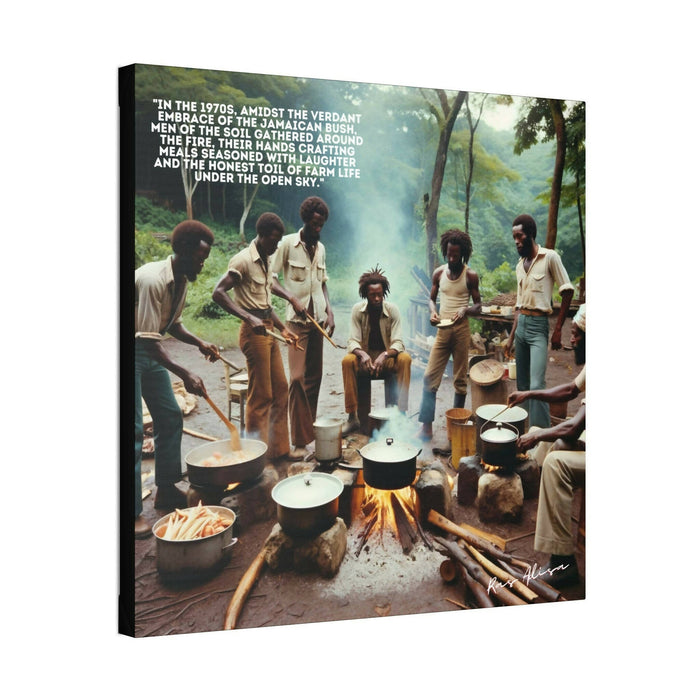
{"x":560,"y":132}
{"x":473,"y":125}
{"x":446,"y":117}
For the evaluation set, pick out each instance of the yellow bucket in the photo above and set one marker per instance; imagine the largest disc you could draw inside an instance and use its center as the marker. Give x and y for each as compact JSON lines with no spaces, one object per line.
{"x":456,"y":415}
{"x":463,"y":441}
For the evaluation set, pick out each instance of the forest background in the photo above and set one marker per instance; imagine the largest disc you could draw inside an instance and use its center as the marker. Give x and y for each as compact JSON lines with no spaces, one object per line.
{"x":428,"y":160}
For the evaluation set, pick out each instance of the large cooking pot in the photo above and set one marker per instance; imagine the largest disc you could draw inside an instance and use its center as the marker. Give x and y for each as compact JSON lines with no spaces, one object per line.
{"x":307,"y":504}
{"x":389,"y":465}
{"x":499,"y":445}
{"x":328,"y":433}
{"x":515,"y":416}
{"x":187,"y":560}
{"x":226,"y":474}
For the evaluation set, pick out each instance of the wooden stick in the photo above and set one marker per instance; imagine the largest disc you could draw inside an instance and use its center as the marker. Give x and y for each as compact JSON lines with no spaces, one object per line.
{"x":194,"y":433}
{"x":493,"y":539}
{"x":407,"y":535}
{"x":318,"y":325}
{"x":543,"y":590}
{"x":235,"y":437}
{"x":477,"y":590}
{"x":512,"y":582}
{"x":475,"y":571}
{"x":459,"y":605}
{"x":441,"y":521}
{"x":241,"y":593}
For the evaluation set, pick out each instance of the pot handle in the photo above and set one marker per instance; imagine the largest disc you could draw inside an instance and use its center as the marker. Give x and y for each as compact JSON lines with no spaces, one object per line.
{"x":228,"y":546}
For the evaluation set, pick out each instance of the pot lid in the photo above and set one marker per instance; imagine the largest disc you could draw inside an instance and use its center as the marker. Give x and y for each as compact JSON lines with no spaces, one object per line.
{"x":486,"y":372}
{"x":499,"y":434}
{"x":307,"y":490}
{"x":510,"y":415}
{"x":389,"y":451}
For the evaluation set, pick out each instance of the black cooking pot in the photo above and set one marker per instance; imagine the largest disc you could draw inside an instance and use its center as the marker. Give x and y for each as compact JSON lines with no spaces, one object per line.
{"x":389,"y":465}
{"x":499,"y":445}
{"x":307,"y":504}
{"x":515,"y":416}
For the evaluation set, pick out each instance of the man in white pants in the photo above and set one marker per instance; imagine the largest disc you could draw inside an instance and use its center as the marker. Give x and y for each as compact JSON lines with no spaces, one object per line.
{"x":561,"y":453}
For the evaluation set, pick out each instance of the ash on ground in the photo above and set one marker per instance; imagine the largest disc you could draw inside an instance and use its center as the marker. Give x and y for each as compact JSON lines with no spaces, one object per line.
{"x":381,"y":566}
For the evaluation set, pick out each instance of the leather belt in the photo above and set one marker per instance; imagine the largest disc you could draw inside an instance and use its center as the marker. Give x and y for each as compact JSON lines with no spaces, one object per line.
{"x":533,"y":312}
{"x":261,"y":313}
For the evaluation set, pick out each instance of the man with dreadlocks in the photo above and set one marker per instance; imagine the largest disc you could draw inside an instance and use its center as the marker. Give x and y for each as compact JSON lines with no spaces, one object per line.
{"x":375,"y":345}
{"x":455,"y":282}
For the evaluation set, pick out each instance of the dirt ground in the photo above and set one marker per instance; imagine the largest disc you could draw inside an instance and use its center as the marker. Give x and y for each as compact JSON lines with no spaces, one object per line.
{"x":380,"y":581}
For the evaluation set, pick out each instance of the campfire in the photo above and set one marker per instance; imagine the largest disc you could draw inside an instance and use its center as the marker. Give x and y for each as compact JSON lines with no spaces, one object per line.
{"x":393,"y":512}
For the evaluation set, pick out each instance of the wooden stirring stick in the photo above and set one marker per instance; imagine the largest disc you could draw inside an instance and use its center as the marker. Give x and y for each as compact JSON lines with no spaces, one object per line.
{"x":235,"y":437}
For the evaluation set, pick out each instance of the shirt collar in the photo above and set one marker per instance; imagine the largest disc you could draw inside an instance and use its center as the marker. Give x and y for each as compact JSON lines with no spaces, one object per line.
{"x":254,"y":252}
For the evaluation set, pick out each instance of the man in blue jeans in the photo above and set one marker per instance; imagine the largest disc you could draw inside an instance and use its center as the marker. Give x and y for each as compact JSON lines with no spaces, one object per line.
{"x":537,"y":271}
{"x":160,"y":291}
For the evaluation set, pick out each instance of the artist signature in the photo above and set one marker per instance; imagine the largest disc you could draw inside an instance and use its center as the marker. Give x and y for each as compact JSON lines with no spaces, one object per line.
{"x":531,"y":573}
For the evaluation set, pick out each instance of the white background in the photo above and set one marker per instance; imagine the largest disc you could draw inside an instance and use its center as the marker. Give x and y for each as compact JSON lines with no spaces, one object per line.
{"x":60,"y":147}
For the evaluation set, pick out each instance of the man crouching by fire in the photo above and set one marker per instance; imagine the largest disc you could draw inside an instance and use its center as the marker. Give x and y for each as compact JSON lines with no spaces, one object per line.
{"x":375,"y":345}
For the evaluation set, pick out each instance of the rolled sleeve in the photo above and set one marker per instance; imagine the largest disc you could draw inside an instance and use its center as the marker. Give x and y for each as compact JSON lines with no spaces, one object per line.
{"x":355,"y":337}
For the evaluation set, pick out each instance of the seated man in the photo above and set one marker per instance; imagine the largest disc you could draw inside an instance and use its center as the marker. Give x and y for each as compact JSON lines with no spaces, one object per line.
{"x":375,"y":345}
{"x":561,"y":453}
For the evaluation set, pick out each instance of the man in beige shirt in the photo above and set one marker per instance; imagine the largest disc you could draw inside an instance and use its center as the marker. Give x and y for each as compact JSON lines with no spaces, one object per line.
{"x":160,"y":293}
{"x":301,"y":261}
{"x":250,"y":278}
{"x":536,"y":272}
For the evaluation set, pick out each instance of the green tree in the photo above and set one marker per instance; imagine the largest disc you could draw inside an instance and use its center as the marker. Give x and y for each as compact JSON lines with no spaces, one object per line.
{"x":543,"y":120}
{"x":445,"y":114}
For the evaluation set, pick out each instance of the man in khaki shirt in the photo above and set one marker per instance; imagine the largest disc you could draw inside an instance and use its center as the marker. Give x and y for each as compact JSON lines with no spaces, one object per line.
{"x":160,"y":293}
{"x":249,"y":277}
{"x":537,"y":271}
{"x":301,"y":260}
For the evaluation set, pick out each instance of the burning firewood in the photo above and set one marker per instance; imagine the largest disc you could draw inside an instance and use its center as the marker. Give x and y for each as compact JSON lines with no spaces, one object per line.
{"x":407,"y":535}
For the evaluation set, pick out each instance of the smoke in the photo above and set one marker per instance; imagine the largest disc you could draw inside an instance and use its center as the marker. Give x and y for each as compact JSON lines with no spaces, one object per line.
{"x":398,"y":427}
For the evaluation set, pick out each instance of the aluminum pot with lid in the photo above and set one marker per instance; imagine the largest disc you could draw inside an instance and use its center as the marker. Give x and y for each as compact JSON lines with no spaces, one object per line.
{"x":499,"y":445}
{"x":389,"y":465}
{"x":307,"y":504}
{"x":516,"y":416}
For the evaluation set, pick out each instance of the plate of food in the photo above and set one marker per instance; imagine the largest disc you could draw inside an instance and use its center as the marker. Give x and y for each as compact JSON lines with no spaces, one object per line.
{"x":445,"y":323}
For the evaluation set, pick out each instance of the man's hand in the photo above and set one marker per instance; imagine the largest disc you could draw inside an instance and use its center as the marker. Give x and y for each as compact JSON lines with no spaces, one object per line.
{"x":379,"y":363}
{"x":517,"y":397}
{"x":290,"y":337}
{"x":329,"y":325}
{"x":210,"y":351}
{"x":556,"y":339}
{"x":528,"y":441}
{"x":193,"y":384}
{"x":365,"y":361}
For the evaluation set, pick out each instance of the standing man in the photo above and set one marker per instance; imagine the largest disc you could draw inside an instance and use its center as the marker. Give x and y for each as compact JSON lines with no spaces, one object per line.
{"x":455,"y":282}
{"x":301,"y":258}
{"x":375,"y":345}
{"x":561,"y":453}
{"x":160,"y":293}
{"x":537,"y":271}
{"x":249,"y":275}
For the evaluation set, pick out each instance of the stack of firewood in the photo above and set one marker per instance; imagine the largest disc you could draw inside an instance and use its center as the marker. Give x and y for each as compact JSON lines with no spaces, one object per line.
{"x":491,"y":577}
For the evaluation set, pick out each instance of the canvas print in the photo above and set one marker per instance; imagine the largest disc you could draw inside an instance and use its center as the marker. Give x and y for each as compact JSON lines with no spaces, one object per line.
{"x":355,"y":363}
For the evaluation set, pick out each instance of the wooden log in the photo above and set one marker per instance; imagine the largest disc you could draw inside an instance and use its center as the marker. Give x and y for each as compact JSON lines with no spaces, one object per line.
{"x":441,"y":521}
{"x":474,"y":570}
{"x":542,"y":589}
{"x":493,"y":539}
{"x":365,"y":532}
{"x":512,"y":582}
{"x":407,"y":535}
{"x":244,"y":587}
{"x":477,"y":590}
{"x":448,"y":570}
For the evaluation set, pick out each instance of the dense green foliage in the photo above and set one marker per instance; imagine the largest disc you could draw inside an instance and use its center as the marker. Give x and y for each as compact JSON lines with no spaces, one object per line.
{"x":379,"y":217}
